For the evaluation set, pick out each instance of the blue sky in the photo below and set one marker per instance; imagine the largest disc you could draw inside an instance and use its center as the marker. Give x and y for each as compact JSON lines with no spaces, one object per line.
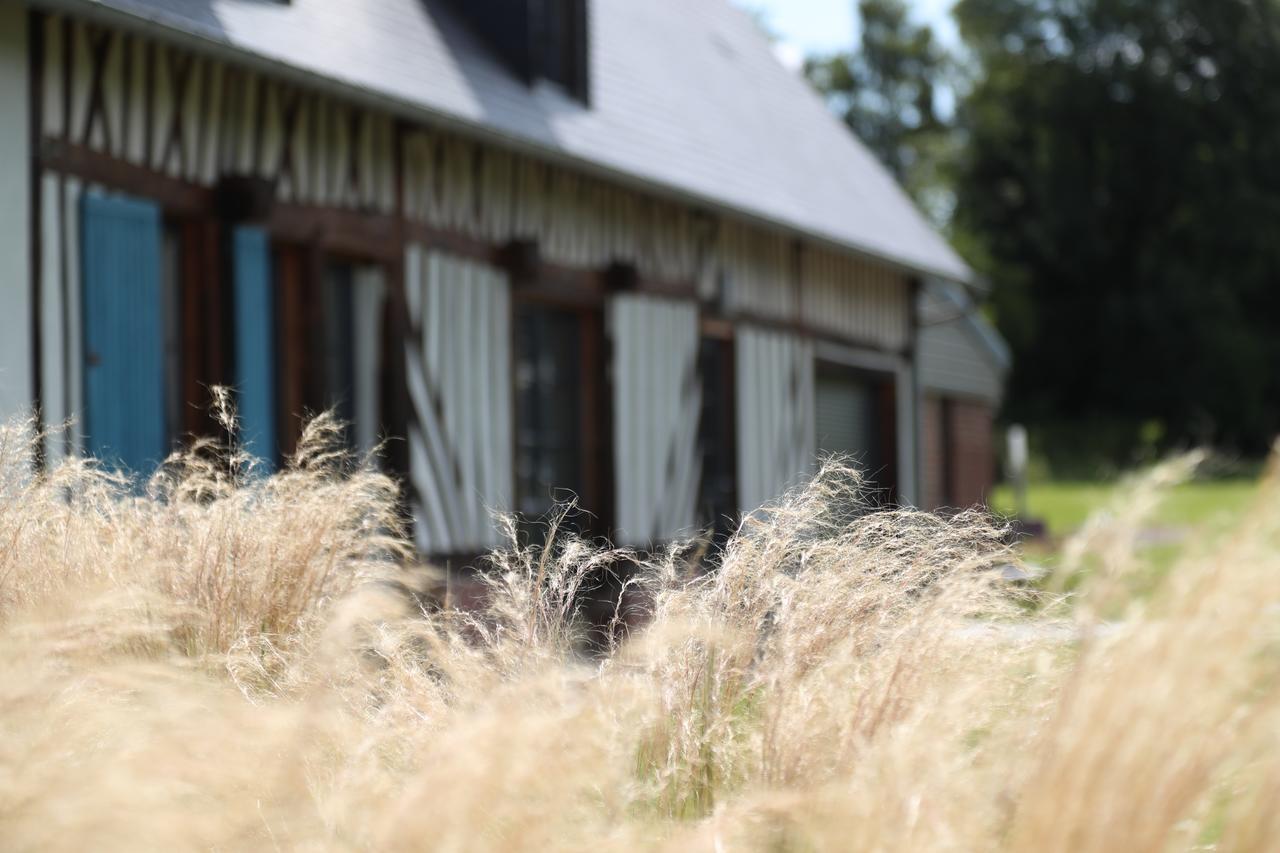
{"x":816,"y":26}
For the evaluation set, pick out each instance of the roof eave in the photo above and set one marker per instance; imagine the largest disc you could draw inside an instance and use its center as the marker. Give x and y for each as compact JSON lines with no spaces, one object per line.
{"x":376,"y":99}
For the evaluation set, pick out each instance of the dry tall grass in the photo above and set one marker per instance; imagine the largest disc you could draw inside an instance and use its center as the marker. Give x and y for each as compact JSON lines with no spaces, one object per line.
{"x":224,"y":660}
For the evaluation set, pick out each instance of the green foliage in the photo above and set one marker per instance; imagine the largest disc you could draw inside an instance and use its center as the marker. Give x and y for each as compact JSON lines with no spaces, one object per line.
{"x":1113,"y":168}
{"x":1086,"y":448}
{"x":1120,"y":184}
{"x":887,"y":92}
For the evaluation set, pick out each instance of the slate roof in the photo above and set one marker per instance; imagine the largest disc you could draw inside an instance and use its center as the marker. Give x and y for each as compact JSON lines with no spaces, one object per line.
{"x":687,"y":99}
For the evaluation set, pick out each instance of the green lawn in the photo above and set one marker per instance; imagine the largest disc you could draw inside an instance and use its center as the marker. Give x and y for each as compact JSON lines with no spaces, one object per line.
{"x":1206,"y":507}
{"x":1064,"y":506}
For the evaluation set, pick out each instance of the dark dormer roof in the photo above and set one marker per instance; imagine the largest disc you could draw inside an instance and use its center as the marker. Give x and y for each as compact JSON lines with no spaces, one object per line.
{"x":686,"y":98}
{"x":537,"y":39}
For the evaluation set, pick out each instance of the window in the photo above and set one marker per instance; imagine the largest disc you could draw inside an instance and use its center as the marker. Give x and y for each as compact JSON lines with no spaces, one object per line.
{"x":560,"y":45}
{"x":331,"y":345}
{"x":333,"y":350}
{"x":349,"y":349}
{"x":537,"y":39}
{"x":717,"y":447}
{"x":561,"y":416}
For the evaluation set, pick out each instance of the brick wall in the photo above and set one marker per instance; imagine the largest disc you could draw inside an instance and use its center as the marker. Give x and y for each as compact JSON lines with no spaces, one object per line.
{"x":971,"y":452}
{"x":933,"y":452}
{"x":958,"y":451}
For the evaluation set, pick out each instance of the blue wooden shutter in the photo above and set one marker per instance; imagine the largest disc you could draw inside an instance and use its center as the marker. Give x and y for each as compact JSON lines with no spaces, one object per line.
{"x":255,"y":343}
{"x":124,"y":377}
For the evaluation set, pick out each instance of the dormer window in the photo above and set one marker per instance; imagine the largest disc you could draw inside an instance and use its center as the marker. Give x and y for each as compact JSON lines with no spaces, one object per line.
{"x":536,"y":39}
{"x":560,"y":44}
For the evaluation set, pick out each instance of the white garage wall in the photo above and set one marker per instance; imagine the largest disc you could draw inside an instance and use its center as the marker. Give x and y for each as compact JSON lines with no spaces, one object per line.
{"x":459,"y":369}
{"x":61,"y":378}
{"x":15,"y":194}
{"x":657,"y":399}
{"x":775,"y":413}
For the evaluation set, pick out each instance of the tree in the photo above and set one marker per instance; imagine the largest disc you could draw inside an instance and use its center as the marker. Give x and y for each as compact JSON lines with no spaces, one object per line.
{"x":887,"y":92}
{"x":1120,"y":184}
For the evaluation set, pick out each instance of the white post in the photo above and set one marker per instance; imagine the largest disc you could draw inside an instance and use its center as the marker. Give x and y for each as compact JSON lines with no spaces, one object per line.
{"x":1016,"y":441}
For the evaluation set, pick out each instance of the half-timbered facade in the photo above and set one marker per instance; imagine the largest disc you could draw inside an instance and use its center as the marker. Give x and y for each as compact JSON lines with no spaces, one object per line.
{"x":535,"y":270}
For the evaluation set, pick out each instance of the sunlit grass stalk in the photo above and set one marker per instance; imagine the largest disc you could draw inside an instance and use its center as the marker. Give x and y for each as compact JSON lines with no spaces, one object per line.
{"x":225,"y":659}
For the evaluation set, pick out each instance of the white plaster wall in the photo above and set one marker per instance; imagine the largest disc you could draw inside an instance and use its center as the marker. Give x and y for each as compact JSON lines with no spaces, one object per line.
{"x":15,"y":194}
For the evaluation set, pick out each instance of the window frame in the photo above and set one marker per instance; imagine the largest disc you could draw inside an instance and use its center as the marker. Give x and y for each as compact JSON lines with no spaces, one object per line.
{"x":718,"y":334}
{"x":582,"y":294}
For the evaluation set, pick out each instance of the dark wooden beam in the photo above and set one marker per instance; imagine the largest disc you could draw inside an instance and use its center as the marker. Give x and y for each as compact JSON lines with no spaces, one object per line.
{"x":621,"y":278}
{"x":399,"y":130}
{"x":68,"y":54}
{"x":126,"y":90}
{"x":397,"y":412}
{"x":477,"y":184}
{"x":259,"y":119}
{"x":354,"y":174}
{"x":796,"y":281}
{"x":35,"y":101}
{"x":225,"y":143}
{"x":194,"y":364}
{"x":315,"y":132}
{"x":452,"y":242}
{"x":558,"y":287}
{"x":717,"y":328}
{"x":100,"y":42}
{"x":337,"y":230}
{"x":290,"y":105}
{"x":887,"y":400}
{"x":596,"y":423}
{"x":626,"y":278}
{"x":202,"y":119}
{"x":661,"y":287}
{"x":149,"y":103}
{"x":244,"y":198}
{"x":175,"y":196}
{"x":916,"y":286}
{"x":806,"y":330}
{"x":291,"y":311}
{"x":205,"y":323}
{"x":180,"y":65}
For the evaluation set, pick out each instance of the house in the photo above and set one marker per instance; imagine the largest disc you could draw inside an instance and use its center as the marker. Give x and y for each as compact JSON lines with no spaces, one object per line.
{"x":597,"y":247}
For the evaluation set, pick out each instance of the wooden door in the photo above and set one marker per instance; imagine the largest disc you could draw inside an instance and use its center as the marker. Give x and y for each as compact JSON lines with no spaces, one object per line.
{"x":123,"y":327}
